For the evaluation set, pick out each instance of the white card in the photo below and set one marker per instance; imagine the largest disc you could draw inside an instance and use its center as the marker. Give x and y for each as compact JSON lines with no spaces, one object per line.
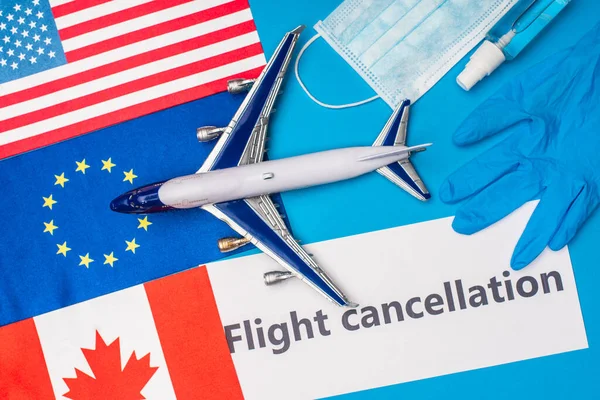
{"x":418,"y":268}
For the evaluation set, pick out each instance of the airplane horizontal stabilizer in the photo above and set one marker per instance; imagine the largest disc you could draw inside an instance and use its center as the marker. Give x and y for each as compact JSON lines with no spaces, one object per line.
{"x":401,"y":173}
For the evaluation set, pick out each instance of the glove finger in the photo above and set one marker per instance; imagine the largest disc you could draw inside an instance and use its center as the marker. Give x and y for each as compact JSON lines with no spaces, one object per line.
{"x":495,"y":115}
{"x":583,"y":206}
{"x":496,"y":202}
{"x":479,"y":173}
{"x":543,"y":223}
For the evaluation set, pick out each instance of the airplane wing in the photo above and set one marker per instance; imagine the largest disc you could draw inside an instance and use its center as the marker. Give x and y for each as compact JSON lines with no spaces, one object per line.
{"x":243,"y":141}
{"x":258,"y":220}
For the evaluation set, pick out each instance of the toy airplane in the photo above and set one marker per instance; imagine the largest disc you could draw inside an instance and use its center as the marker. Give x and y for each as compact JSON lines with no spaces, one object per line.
{"x":234,"y":183}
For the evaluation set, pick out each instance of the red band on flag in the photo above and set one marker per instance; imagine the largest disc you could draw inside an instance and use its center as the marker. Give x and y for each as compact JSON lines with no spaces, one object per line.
{"x":74,"y":6}
{"x":191,"y":335}
{"x":23,"y":373}
{"x":115,"y":18}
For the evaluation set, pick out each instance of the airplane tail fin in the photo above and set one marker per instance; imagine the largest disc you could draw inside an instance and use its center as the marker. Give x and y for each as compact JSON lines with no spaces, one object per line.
{"x":402,"y":173}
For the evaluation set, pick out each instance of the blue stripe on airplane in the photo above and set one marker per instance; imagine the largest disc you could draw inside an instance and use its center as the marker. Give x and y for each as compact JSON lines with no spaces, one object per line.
{"x":234,"y":148}
{"x":393,"y":131}
{"x":243,"y":215}
{"x":401,"y":173}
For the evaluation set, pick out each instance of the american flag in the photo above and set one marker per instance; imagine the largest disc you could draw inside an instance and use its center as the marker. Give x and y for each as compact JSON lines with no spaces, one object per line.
{"x":68,"y":67}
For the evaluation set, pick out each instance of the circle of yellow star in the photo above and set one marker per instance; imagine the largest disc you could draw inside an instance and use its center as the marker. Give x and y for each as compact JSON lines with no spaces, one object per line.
{"x":110,"y":258}
{"x":81,"y":166}
{"x":144,"y":223}
{"x":129,"y":176}
{"x":50,"y":227}
{"x":107,"y":165}
{"x":49,"y":202}
{"x":61,"y":180}
{"x":86,"y":260}
{"x":131,"y":246}
{"x":62,"y":249}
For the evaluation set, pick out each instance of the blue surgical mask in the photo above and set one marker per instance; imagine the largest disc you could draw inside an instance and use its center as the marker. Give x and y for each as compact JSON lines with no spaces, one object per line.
{"x":401,"y":48}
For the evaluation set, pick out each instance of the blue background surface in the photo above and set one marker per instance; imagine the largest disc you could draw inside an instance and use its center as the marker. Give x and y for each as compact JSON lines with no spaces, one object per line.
{"x":370,"y":203}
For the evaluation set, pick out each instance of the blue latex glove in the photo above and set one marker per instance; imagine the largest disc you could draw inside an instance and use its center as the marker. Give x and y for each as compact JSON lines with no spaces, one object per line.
{"x":551,"y":117}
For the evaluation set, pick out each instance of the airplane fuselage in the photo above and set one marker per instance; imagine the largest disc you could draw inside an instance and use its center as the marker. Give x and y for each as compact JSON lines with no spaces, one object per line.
{"x":252,"y":180}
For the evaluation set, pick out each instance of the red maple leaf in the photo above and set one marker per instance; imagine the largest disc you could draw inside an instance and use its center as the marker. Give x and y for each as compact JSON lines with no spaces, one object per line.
{"x":110,"y":381}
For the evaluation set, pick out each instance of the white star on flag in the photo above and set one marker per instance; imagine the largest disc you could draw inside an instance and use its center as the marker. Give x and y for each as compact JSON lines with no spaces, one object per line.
{"x":17,"y":7}
{"x":43,"y":28}
{"x":6,"y":39}
{"x":32,"y":24}
{"x":25,"y":33}
{"x":47,"y":41}
{"x":29,"y":47}
{"x":10,"y":52}
{"x":39,"y":14}
{"x":36,"y":2}
{"x":14,"y":65}
{"x":17,"y":43}
{"x":21,"y":21}
{"x":21,"y":56}
{"x":3,"y":62}
{"x":2,"y":26}
{"x":36,"y":38}
{"x":1,"y":49}
{"x":10,"y":17}
{"x":13,"y":30}
{"x":33,"y":60}
{"x":51,"y":54}
{"x":28,"y":11}
{"x":40,"y":50}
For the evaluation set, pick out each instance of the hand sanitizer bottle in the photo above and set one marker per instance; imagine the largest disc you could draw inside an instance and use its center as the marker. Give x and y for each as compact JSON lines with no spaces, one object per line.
{"x":509,"y":37}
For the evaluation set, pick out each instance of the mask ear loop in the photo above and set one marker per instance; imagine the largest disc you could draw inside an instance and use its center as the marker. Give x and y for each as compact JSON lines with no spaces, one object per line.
{"x":313,"y":98}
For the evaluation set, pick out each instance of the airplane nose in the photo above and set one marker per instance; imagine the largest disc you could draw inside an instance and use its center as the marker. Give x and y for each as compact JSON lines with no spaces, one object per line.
{"x":121,"y":204}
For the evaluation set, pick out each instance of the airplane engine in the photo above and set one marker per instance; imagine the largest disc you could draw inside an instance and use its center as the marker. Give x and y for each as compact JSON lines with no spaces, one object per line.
{"x":208,"y":133}
{"x":273,"y":277}
{"x":236,"y":86}
{"x":230,"y":244}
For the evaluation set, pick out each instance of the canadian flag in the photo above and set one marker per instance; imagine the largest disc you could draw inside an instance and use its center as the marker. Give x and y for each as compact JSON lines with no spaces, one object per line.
{"x":162,"y":340}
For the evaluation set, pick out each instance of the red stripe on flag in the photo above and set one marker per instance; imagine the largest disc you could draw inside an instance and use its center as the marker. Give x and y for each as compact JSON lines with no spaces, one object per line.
{"x":74,"y":6}
{"x":128,"y":63}
{"x":23,"y":371}
{"x":156,"y":30}
{"x":118,"y":17}
{"x":131,"y":87}
{"x":125,"y":114}
{"x":191,"y":335}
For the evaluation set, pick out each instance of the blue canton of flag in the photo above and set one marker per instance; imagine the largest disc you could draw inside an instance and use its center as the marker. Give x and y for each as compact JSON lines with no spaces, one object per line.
{"x":61,"y":244}
{"x":29,"y":40}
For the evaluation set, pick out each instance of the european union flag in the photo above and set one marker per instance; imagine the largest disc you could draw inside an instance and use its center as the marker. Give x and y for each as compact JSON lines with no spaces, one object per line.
{"x":61,"y":243}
